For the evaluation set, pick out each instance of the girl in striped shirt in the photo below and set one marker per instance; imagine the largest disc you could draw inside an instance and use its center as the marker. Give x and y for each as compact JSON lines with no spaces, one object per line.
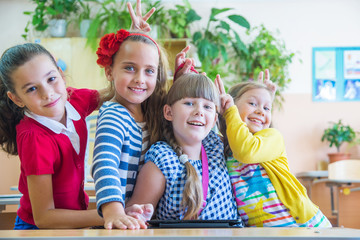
{"x":136,"y":67}
{"x":267,"y":194}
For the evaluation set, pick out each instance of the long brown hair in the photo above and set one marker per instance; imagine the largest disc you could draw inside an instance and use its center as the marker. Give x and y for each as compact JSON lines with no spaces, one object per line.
{"x":193,"y":86}
{"x":11,"y":114}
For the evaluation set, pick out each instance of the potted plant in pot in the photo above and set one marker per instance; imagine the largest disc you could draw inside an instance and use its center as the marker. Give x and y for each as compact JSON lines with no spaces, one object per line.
{"x":53,"y":14}
{"x":336,"y":135}
{"x":111,"y":16}
{"x":84,"y":16}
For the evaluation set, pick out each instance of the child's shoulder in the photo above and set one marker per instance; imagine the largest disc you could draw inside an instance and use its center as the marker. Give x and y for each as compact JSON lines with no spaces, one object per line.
{"x":114,"y":110}
{"x":161,"y":146}
{"x":29,"y":129}
{"x":212,"y":139}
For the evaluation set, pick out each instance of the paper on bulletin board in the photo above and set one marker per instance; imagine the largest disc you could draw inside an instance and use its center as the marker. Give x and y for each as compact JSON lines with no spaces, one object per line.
{"x":325,"y":65}
{"x":325,"y":75}
{"x":352,"y":64}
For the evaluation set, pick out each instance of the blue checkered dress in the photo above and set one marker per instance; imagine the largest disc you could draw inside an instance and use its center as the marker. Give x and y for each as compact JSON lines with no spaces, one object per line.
{"x":220,"y":202}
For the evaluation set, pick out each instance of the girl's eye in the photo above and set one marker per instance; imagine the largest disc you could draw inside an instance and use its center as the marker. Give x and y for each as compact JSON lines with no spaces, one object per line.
{"x":150,"y":71}
{"x":30,"y":89}
{"x":209,"y":107}
{"x":252,"y":103}
{"x":51,"y":79}
{"x":188,"y":103}
{"x":129,"y":68}
{"x":267,"y":108}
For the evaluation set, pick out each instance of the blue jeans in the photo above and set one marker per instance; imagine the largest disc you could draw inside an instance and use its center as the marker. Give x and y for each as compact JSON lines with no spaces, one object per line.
{"x":21,"y":225}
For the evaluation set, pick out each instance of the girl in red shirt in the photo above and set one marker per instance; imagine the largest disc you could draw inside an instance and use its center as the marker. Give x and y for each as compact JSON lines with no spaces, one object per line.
{"x":43,"y":122}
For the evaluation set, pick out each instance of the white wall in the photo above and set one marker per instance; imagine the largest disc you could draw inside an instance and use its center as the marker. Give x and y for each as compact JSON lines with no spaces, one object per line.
{"x":303,"y":24}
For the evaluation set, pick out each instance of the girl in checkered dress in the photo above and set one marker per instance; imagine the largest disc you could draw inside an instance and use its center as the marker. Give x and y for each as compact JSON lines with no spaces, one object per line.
{"x":185,"y":176}
{"x":267,"y":194}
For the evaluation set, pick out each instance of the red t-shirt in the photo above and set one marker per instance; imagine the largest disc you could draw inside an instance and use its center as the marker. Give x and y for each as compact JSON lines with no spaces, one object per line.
{"x":41,"y":151}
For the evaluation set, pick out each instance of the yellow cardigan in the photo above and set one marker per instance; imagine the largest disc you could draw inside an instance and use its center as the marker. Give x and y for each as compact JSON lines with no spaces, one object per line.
{"x":267,"y":148}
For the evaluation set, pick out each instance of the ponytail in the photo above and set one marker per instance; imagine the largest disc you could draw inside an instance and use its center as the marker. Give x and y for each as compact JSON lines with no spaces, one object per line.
{"x":192,"y":198}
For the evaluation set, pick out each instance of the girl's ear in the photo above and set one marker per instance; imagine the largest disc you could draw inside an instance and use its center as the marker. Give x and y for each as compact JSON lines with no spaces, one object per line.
{"x":15,"y":99}
{"x":108,"y":73}
{"x":167,"y":112}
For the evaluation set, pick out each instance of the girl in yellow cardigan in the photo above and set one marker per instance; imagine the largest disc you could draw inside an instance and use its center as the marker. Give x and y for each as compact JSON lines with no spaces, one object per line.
{"x":267,"y":194}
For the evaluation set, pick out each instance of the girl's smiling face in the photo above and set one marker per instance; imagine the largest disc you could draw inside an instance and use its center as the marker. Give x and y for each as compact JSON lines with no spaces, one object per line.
{"x":255,"y":109}
{"x":134,"y":73}
{"x":192,"y":119}
{"x":40,"y":88}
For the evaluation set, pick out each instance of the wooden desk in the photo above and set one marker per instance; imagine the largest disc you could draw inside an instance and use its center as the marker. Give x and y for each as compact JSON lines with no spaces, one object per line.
{"x":309,"y":178}
{"x":176,"y":234}
{"x":331,"y":183}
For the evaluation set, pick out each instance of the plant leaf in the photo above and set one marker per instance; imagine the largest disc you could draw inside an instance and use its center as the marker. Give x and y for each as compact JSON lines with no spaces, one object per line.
{"x":240,"y":20}
{"x":216,"y":11}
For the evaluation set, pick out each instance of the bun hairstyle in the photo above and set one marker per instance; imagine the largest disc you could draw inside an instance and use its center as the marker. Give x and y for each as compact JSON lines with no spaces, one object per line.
{"x":11,"y":114}
{"x":189,"y":85}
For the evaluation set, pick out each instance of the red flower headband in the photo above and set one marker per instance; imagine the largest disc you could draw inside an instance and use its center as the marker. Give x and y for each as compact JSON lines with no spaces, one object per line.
{"x":110,"y":44}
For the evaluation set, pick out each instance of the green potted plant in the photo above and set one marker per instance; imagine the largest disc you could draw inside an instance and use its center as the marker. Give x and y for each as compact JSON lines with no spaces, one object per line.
{"x":265,"y":51}
{"x":111,"y":16}
{"x":158,"y":20}
{"x":180,"y":19}
{"x":84,"y":15}
{"x":53,"y":14}
{"x":337,"y":134}
{"x":217,"y":39}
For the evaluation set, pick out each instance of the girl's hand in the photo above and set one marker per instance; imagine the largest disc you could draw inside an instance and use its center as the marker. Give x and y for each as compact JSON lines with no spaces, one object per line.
{"x":115,"y":217}
{"x":181,"y":59}
{"x":142,"y":212}
{"x":272,"y":86}
{"x":138,"y":21}
{"x":226,"y":101}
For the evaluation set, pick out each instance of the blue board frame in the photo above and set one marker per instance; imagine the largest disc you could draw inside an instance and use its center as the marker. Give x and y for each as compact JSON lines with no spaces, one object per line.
{"x":336,"y":74}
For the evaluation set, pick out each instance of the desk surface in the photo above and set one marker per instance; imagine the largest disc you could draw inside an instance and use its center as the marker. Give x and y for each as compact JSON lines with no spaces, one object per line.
{"x":173,"y":234}
{"x":312,"y":174}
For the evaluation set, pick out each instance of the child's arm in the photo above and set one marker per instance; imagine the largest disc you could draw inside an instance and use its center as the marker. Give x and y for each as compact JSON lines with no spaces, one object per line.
{"x":149,"y":188}
{"x":139,"y":21}
{"x":181,"y":59}
{"x":44,"y":212}
{"x":265,"y":145}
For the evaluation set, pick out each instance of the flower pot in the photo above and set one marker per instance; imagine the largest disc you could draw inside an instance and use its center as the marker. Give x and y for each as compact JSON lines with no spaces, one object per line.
{"x":84,"y":27}
{"x":334,"y":157}
{"x":57,"y":27}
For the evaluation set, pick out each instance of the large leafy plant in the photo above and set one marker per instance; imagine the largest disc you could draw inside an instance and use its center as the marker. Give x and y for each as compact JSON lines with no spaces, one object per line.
{"x":112,"y":16}
{"x":337,"y":134}
{"x":180,"y":19}
{"x":46,"y":10}
{"x":217,"y":39}
{"x":265,"y":51}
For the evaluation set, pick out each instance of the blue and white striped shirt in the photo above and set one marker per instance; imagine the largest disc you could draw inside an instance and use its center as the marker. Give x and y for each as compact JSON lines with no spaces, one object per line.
{"x":117,"y":154}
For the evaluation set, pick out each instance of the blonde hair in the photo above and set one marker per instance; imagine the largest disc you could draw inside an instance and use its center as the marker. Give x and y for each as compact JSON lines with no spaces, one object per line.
{"x":236,"y":92}
{"x":189,"y":85}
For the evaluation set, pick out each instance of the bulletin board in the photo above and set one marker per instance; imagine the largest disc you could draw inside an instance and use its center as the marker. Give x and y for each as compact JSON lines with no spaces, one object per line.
{"x":336,"y":74}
